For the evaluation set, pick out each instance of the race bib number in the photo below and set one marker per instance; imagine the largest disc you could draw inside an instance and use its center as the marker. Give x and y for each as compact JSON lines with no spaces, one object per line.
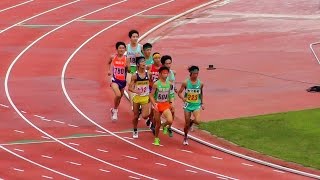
{"x":162,"y":97}
{"x":118,"y":71}
{"x":143,"y":87}
{"x":192,"y":97}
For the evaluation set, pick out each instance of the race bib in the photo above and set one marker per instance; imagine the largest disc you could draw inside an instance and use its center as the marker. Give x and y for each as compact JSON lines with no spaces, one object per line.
{"x":162,"y":97}
{"x":192,"y":97}
{"x":143,"y":87}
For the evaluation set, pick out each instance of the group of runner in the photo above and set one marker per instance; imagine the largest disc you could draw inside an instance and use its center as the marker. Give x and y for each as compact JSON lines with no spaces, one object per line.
{"x":151,"y":87}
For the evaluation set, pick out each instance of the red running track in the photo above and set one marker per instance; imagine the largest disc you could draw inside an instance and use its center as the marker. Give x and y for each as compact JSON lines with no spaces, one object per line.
{"x":34,"y":86}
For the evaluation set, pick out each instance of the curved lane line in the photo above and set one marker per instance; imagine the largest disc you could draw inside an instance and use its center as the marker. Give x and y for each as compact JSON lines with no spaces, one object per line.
{"x":37,"y":128}
{"x":17,"y":5}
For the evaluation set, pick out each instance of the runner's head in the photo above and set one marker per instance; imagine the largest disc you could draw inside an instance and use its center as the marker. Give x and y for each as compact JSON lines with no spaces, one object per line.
{"x":147,"y":48}
{"x":134,"y":36}
{"x":141,"y":62}
{"x":194,"y":72}
{"x":156,"y":58}
{"x":163,"y":72}
{"x":121,"y":47}
{"x":166,"y":61}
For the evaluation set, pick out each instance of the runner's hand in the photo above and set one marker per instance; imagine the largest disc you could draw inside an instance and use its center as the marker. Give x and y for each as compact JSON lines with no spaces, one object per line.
{"x":109,"y":73}
{"x":202,"y":106}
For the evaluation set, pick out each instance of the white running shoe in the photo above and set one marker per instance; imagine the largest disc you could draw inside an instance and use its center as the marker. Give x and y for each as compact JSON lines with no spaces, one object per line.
{"x":114,"y":114}
{"x":185,"y":141}
{"x":135,"y":134}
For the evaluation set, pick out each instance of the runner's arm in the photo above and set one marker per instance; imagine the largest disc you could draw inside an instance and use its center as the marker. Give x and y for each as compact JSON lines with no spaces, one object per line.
{"x":175,"y":87}
{"x":109,"y":65}
{"x":151,"y":95}
{"x":132,"y":82}
{"x":128,"y":64}
{"x":183,"y":87}
{"x":201,"y":96}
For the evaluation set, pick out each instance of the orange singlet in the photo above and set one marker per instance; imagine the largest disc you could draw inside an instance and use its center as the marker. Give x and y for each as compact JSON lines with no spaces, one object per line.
{"x":119,"y":68}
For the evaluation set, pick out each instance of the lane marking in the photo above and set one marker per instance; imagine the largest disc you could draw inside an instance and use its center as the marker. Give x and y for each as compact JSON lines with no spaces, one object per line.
{"x":23,"y":112}
{"x":37,"y":25}
{"x":128,"y":138}
{"x":48,"y":177}
{"x":6,"y":29}
{"x":247,"y":164}
{"x":74,"y":163}
{"x":104,"y":170}
{"x":160,"y":164}
{"x":60,"y":122}
{"x":131,"y":157}
{"x":48,"y":157}
{"x":37,"y":164}
{"x":183,"y":150}
{"x":100,"y":132}
{"x":44,"y":119}
{"x":71,"y":125}
{"x":214,"y":157}
{"x":278,"y":171}
{"x":132,"y":177}
{"x":222,"y":178}
{"x":45,"y":137}
{"x":101,"y":150}
{"x":39,"y":116}
{"x":18,"y":131}
{"x":66,"y":138}
{"x":75,"y":144}
{"x":18,"y":150}
{"x":17,"y":5}
{"x":3,"y":105}
{"x":20,"y":170}
{"x":188,"y":170}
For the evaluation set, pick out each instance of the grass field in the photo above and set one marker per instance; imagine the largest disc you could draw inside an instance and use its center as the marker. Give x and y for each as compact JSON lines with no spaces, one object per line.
{"x":291,"y":136}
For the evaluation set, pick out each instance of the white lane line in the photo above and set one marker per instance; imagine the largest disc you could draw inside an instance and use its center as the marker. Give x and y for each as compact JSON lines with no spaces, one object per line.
{"x":214,"y":157}
{"x":188,"y":170}
{"x":222,"y":178}
{"x":45,"y":137}
{"x":48,"y":157}
{"x":39,"y":116}
{"x":18,"y":131}
{"x":71,"y":125}
{"x":160,"y":164}
{"x":128,"y":138}
{"x":100,"y":132}
{"x":104,"y":170}
{"x":132,"y":177}
{"x":131,"y":157}
{"x":20,"y":150}
{"x":75,"y":144}
{"x":250,"y":165}
{"x":44,"y":119}
{"x":6,"y":29}
{"x":3,"y":105}
{"x":74,"y":163}
{"x":37,"y":164}
{"x":48,"y":177}
{"x":17,"y":5}
{"x":98,"y":125}
{"x":183,"y":150}
{"x":101,"y":150}
{"x":20,"y":170}
{"x":38,"y":25}
{"x":60,"y":122}
{"x":279,"y":171}
{"x":23,"y":112}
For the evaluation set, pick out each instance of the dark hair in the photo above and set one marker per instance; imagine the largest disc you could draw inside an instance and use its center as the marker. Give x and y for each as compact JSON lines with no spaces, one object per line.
{"x":120,"y":43}
{"x":133,"y":31}
{"x":163,"y":68}
{"x":139,"y":59}
{"x":164,"y":58}
{"x":146,"y":46}
{"x":193,"y":68}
